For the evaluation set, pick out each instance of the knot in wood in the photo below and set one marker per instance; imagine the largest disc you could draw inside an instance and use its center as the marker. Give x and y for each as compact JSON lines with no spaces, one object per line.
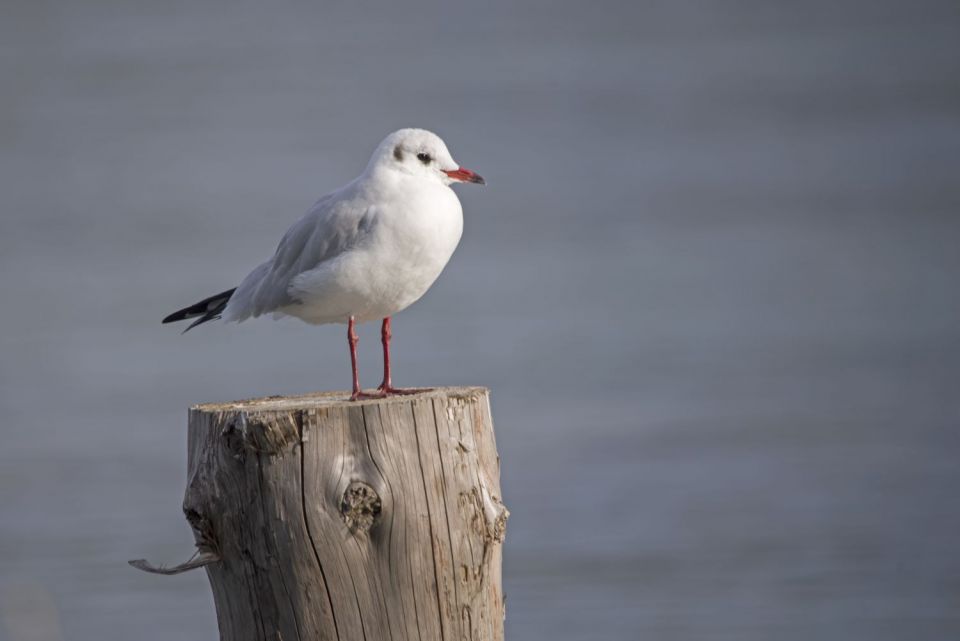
{"x":360,"y":506}
{"x":203,"y":533}
{"x":259,"y":434}
{"x":232,"y":435}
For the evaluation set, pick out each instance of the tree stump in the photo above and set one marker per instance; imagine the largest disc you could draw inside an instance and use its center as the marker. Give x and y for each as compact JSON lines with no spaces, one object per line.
{"x":321,"y":518}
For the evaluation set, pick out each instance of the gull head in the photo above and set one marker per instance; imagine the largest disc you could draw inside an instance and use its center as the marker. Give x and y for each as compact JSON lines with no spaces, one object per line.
{"x":420,"y":154}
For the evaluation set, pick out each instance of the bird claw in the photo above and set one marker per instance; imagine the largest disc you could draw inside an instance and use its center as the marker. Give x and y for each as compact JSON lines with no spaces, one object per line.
{"x":389,"y":390}
{"x":363,"y":396}
{"x":384,"y":392}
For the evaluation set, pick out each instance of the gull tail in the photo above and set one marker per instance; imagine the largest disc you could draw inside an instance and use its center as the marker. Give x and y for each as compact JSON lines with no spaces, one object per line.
{"x":208,"y":309}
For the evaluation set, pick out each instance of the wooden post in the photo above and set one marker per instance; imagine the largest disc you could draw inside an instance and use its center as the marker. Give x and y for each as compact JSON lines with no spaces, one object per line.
{"x":320,"y":518}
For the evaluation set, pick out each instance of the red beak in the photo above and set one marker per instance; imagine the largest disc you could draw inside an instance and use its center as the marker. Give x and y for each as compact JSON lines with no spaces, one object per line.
{"x":465,"y":175}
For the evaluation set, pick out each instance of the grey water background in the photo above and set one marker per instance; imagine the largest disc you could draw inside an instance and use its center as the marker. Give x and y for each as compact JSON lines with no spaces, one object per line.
{"x":713,"y":285}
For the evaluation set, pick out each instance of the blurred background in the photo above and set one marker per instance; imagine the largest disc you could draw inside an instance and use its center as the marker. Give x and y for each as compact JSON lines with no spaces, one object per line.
{"x":713,"y":285}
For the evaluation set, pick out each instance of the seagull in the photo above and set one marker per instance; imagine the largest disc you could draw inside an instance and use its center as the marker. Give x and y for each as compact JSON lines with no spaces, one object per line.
{"x":363,"y":252}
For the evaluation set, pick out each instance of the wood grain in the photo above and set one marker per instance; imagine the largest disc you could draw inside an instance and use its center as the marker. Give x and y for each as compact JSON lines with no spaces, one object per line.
{"x":378,"y":520}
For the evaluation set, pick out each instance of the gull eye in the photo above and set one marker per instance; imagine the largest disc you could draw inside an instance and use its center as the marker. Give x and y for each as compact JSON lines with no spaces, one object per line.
{"x":424,"y":158}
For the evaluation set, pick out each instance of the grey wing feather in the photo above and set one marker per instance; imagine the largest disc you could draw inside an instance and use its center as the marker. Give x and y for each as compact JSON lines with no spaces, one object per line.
{"x":331,"y":227}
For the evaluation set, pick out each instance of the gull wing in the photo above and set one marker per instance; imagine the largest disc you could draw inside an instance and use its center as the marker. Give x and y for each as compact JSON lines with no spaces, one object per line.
{"x":332,"y":226}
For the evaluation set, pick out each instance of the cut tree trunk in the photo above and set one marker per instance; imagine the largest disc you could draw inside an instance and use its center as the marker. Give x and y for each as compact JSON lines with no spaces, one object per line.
{"x":320,"y":518}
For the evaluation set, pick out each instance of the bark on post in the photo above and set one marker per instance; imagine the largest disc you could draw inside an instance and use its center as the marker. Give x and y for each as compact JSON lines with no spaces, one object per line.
{"x":319,"y":518}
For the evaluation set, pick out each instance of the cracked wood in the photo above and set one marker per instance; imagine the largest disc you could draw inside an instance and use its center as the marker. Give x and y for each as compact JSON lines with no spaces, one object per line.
{"x":373,"y":521}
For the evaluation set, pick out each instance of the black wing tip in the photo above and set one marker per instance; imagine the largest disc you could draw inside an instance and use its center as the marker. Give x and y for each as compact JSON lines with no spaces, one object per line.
{"x":200,"y":321}
{"x":187,"y":312}
{"x":208,"y":309}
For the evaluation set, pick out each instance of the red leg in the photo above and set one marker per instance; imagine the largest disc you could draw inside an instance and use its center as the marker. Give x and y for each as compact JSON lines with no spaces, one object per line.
{"x":386,"y":387}
{"x":385,"y":336}
{"x":353,"y":340}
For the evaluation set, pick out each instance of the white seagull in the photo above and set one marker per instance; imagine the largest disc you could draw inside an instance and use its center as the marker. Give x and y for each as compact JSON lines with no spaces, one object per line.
{"x":361,"y":253}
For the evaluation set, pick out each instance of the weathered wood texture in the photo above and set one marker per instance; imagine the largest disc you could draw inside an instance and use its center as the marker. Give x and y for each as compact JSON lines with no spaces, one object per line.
{"x":375,"y":520}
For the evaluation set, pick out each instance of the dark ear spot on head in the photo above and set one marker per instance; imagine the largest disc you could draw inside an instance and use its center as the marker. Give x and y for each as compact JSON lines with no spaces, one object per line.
{"x":398,"y":153}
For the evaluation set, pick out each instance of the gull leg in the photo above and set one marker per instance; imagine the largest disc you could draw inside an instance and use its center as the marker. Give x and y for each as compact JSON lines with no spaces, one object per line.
{"x":385,"y":336}
{"x":353,"y":339}
{"x":386,"y":387}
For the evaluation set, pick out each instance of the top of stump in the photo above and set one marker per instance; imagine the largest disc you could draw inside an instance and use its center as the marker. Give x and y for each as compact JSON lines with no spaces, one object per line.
{"x":330,"y":399}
